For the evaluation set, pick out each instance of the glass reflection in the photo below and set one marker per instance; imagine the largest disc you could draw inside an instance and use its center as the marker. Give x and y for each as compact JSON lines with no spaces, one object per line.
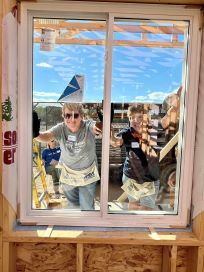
{"x":68,"y":76}
{"x":148,"y":67}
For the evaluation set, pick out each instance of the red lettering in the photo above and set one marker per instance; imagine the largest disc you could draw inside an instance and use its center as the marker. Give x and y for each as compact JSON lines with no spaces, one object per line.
{"x":8,"y":156}
{"x":14,"y":137}
{"x":8,"y":138}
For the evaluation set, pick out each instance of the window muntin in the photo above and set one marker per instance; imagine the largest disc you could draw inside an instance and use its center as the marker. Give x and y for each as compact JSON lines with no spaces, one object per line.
{"x":142,"y":11}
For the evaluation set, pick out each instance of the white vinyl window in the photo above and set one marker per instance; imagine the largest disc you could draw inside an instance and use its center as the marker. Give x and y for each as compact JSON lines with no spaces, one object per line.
{"x":135,"y":70}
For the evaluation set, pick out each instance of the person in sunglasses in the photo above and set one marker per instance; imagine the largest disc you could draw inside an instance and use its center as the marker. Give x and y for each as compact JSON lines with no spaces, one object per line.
{"x":78,"y":161}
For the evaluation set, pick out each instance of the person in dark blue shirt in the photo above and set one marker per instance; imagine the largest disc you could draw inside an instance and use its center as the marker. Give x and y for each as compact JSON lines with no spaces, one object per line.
{"x":136,"y":168}
{"x":50,"y":158}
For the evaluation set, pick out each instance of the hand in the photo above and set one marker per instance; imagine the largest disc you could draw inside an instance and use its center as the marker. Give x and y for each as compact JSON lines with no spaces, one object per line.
{"x":36,"y":125}
{"x":97,"y":130}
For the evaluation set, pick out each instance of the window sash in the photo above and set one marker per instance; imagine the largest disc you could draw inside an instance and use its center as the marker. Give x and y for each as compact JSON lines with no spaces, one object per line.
{"x":109,"y":12}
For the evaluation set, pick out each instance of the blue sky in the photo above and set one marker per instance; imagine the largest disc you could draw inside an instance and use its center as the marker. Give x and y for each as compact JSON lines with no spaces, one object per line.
{"x":139,"y":74}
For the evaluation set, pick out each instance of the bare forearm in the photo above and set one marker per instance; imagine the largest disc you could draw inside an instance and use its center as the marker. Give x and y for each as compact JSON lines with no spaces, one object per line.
{"x":45,"y":137}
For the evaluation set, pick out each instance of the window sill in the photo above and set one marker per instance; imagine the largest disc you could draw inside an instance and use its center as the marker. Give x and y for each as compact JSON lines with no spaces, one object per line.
{"x":79,"y":235}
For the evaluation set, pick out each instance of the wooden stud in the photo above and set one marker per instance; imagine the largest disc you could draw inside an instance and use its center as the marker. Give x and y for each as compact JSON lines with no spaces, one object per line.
{"x":166,"y":259}
{"x":9,"y":217}
{"x":9,"y":257}
{"x":198,"y":223}
{"x":194,"y":259}
{"x":200,"y":260}
{"x":1,"y":252}
{"x":173,"y":258}
{"x":79,"y":257}
{"x":169,"y":259}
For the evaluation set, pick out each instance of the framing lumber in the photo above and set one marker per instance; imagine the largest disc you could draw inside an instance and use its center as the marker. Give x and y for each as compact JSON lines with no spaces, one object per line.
{"x":9,"y":257}
{"x":79,"y":258}
{"x":101,"y":237}
{"x":101,"y":26}
{"x":168,"y":146}
{"x":1,"y":252}
{"x":176,"y":2}
{"x":74,"y":29}
{"x":198,"y":226}
{"x":136,"y":43}
{"x":195,"y":259}
{"x":169,"y":259}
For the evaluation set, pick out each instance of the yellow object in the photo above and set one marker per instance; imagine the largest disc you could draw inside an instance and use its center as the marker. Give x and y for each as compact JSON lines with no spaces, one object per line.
{"x":40,"y":173}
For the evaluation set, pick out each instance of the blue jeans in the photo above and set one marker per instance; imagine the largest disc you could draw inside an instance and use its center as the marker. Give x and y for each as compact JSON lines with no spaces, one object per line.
{"x":82,"y":196}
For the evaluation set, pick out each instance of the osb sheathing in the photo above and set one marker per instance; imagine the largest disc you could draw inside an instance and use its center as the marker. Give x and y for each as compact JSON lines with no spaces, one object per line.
{"x":120,"y":258}
{"x":41,"y":257}
{"x":182,"y":259}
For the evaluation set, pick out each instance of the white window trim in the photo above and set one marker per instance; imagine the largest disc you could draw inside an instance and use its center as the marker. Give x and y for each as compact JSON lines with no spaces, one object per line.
{"x":102,"y":218}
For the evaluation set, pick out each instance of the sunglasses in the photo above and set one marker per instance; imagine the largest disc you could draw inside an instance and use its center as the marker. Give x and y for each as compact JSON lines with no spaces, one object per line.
{"x":69,"y":115}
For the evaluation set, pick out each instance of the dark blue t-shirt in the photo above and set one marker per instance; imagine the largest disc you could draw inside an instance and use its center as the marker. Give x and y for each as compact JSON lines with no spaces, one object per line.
{"x":132,"y":144}
{"x":51,"y":154}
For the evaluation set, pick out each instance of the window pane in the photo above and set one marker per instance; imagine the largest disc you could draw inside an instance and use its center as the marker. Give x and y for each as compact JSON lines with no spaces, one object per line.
{"x":68,"y":67}
{"x":148,"y":71}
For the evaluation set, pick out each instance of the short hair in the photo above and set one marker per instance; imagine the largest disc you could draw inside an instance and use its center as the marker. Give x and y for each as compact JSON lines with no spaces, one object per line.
{"x":73,"y":107}
{"x":135,"y":108}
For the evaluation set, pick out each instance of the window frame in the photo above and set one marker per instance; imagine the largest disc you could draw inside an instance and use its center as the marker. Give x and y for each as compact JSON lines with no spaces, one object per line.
{"x":103,"y":10}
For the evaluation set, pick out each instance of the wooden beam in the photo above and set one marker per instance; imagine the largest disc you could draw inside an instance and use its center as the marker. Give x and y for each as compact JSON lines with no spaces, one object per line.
{"x":198,"y":226}
{"x":194,"y":259}
{"x":1,"y":252}
{"x":101,"y":26}
{"x":94,"y":237}
{"x":9,"y":217}
{"x":176,"y":2}
{"x":139,"y":43}
{"x":199,"y":259}
{"x":9,"y":257}
{"x":168,"y":146}
{"x":79,"y":258}
{"x":169,"y":259}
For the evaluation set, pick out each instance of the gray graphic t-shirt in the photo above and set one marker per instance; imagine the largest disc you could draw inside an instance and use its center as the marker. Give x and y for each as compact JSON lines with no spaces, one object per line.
{"x":78,"y":150}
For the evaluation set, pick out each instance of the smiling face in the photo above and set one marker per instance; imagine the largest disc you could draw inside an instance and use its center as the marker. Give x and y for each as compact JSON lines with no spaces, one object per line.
{"x":136,"y":121}
{"x":72,"y":120}
{"x":73,"y":115}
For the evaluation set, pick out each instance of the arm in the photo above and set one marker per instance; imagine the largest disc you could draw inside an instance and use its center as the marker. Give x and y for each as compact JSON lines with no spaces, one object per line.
{"x":96,"y":130}
{"x":40,"y":136}
{"x":45,"y":137}
{"x":115,"y":141}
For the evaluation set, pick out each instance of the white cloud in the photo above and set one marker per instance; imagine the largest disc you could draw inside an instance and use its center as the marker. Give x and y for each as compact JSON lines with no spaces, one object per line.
{"x":54,"y":81}
{"x":44,"y":94}
{"x":128,"y":70}
{"x":44,"y":65}
{"x":172,"y":63}
{"x":152,"y":97}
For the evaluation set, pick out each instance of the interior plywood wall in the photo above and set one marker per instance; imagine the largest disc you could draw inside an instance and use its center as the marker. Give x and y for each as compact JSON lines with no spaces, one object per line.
{"x":43,"y":257}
